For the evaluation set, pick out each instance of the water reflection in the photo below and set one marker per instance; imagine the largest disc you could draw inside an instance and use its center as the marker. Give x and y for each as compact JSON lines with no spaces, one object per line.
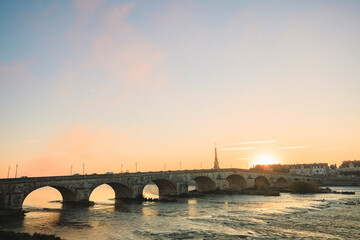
{"x":121,"y":208}
{"x":192,"y":207}
{"x":75,"y":217}
{"x":150,"y":209}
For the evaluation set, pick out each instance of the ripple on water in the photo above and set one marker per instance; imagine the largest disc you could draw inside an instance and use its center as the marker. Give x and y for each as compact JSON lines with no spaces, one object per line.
{"x":186,"y":234}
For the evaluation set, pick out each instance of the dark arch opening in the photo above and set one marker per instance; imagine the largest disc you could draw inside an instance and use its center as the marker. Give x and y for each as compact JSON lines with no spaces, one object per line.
{"x":108,"y":190}
{"x":204,"y":184}
{"x":261,"y":182}
{"x":166,"y":188}
{"x":159,"y":188}
{"x":235,"y":183}
{"x":281,"y":182}
{"x":66,"y":194}
{"x":121,"y":191}
{"x":47,"y":194}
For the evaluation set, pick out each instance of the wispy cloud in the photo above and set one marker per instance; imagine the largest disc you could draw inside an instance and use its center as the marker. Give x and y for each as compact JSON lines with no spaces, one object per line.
{"x":253,"y":142}
{"x":332,"y":148}
{"x":292,"y":147}
{"x":75,"y":144}
{"x":239,"y":148}
{"x":33,"y":140}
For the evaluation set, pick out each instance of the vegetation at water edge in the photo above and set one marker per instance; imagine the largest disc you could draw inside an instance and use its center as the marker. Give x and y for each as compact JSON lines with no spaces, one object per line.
{"x":300,"y":186}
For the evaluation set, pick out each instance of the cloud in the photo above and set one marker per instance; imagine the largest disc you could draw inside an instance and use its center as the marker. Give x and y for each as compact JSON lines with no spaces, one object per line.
{"x":33,"y":140}
{"x":253,"y":142}
{"x":84,"y":12}
{"x":332,"y":148}
{"x":239,"y":148}
{"x":15,"y":75}
{"x":100,"y":148}
{"x":108,"y":56}
{"x":292,"y":147}
{"x":16,"y":80}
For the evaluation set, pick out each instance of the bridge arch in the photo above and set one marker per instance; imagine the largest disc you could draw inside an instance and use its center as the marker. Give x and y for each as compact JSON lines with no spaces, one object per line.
{"x":281,"y":182}
{"x":66,"y":194}
{"x":204,"y":184}
{"x":235,"y":182}
{"x":121,"y":191}
{"x":261,"y":182}
{"x":165,"y":187}
{"x":159,"y":188}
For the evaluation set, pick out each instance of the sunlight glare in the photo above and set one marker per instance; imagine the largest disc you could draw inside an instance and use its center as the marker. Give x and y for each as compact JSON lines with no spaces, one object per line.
{"x":265,"y":159}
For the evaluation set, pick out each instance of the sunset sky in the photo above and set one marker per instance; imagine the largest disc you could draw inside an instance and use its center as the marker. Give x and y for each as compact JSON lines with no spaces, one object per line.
{"x":107,"y":83}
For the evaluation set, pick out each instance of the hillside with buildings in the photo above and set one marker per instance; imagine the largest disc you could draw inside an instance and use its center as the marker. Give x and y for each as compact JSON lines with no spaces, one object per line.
{"x":347,"y":168}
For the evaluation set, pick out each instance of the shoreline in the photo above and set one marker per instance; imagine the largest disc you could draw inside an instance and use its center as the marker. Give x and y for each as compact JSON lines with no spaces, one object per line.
{"x":11,"y":235}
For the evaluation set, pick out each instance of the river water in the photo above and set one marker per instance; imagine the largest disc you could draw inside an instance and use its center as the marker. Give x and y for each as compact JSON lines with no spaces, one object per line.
{"x":290,"y":216}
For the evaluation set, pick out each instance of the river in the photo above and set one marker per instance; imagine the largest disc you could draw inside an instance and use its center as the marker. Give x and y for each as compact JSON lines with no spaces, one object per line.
{"x":289,"y":216}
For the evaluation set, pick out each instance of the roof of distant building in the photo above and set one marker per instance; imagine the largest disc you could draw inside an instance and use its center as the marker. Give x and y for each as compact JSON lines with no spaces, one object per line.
{"x":356,"y":163}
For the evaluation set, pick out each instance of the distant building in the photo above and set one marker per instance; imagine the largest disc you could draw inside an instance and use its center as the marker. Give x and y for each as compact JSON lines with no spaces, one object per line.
{"x":350,"y":168}
{"x":313,"y":169}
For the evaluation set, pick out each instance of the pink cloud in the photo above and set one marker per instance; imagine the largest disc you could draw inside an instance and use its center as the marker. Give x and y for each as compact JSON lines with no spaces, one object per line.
{"x":97,"y":147}
{"x":84,"y":12}
{"x":117,"y":15}
{"x":87,"y":6}
{"x":114,"y":59}
{"x":43,"y":166}
{"x":14,"y":71}
{"x":15,"y":77}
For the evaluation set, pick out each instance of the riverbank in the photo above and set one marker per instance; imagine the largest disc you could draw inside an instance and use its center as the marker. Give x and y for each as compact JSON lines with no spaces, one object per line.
{"x":11,"y":235}
{"x":11,"y":214}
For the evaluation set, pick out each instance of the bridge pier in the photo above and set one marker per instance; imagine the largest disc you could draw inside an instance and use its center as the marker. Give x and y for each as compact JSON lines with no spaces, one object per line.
{"x":220,"y":184}
{"x":251,"y":182}
{"x":182,"y":188}
{"x":82,"y":194}
{"x":12,"y":201}
{"x":136,"y":191}
{"x":82,"y":197}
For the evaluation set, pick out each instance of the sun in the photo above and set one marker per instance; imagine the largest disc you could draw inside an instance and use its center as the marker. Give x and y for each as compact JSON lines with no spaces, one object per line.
{"x":265,"y":159}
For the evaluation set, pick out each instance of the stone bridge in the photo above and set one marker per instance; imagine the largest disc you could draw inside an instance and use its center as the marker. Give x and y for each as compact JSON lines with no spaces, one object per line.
{"x":130,"y":185}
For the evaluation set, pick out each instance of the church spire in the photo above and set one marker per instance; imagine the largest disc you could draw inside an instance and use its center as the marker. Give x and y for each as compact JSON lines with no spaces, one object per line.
{"x":216,"y":163}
